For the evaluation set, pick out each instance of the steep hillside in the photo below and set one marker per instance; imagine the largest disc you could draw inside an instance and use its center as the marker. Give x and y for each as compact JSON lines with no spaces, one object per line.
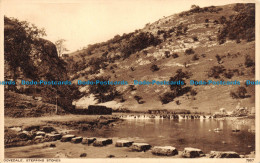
{"x":211,"y":43}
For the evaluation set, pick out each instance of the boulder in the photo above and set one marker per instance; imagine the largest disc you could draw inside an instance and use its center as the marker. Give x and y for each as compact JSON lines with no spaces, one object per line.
{"x":76,"y":140}
{"x":139,"y":147}
{"x":30,"y":128}
{"x":88,"y":140}
{"x":38,"y":133}
{"x":38,"y":137}
{"x":124,"y":143}
{"x":17,"y":129}
{"x":102,"y":142}
{"x":164,"y":150}
{"x":67,"y":138}
{"x":53,"y":137}
{"x":192,"y":152}
{"x":48,"y":129}
{"x":221,"y":154}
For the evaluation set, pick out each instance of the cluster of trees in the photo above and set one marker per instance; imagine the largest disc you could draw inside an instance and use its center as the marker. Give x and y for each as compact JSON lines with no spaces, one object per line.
{"x":104,"y":93}
{"x":197,"y":9}
{"x":240,"y":26}
{"x":139,"y":42}
{"x":176,"y":90}
{"x":19,"y":39}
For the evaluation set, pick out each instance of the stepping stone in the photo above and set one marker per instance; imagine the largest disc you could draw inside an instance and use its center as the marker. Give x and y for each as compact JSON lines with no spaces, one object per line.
{"x":88,"y":140}
{"x":76,"y":140}
{"x":38,"y":133}
{"x":124,"y":143}
{"x":53,"y":137}
{"x":48,"y":129}
{"x":17,"y":129}
{"x":38,"y":137}
{"x":102,"y":142}
{"x":192,"y":152}
{"x":235,"y":130}
{"x":139,"y":147}
{"x":164,"y":150}
{"x":67,"y":138}
{"x":221,"y":154}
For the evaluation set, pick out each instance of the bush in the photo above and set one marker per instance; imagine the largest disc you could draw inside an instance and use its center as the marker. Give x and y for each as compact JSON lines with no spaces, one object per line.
{"x":189,"y":51}
{"x":218,"y":58}
{"x":215,"y":71}
{"x":195,"y":57}
{"x":240,"y":93}
{"x":167,"y":54}
{"x":195,"y":38}
{"x":167,"y":97}
{"x":229,"y":74}
{"x":248,"y":61}
{"x":175,"y":55}
{"x":154,"y":68}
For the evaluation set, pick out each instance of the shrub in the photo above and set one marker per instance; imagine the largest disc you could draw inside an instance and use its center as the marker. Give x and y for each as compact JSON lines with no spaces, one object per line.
{"x":229,"y":74}
{"x":218,"y":58}
{"x":195,"y":38}
{"x":154,"y":68}
{"x":167,"y":97}
{"x":215,"y":71}
{"x":175,"y":55}
{"x":167,"y":54}
{"x":195,"y":57}
{"x":240,"y":93}
{"x":189,"y":51}
{"x":248,"y":61}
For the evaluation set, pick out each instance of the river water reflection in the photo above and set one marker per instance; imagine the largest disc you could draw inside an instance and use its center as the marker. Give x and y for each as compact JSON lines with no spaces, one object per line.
{"x":183,"y":133}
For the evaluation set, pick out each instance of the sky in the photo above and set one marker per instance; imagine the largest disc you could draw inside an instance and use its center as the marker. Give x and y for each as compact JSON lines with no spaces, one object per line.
{"x":83,"y":22}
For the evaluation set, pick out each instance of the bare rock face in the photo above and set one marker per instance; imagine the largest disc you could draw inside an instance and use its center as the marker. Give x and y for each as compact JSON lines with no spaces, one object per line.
{"x":124,"y":143}
{"x":76,"y":140}
{"x":221,"y":154}
{"x":192,"y":153}
{"x":139,"y":147}
{"x":102,"y":142}
{"x":88,"y":140}
{"x":67,"y":138}
{"x":164,"y":150}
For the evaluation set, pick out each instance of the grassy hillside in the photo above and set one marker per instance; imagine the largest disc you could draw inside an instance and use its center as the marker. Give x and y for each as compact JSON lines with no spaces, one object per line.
{"x":194,"y":41}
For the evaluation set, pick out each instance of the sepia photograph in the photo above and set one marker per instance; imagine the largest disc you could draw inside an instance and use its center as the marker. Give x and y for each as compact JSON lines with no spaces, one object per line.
{"x":164,"y":80}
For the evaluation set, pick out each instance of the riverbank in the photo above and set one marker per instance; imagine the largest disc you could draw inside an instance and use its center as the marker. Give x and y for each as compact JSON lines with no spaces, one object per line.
{"x":40,"y":137}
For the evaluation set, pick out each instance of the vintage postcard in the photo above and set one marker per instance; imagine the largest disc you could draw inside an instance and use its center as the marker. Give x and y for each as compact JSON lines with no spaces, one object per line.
{"x":122,"y":80}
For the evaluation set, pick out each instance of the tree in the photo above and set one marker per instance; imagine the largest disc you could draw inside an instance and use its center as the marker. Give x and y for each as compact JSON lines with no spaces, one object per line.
{"x":19,"y":40}
{"x":61,"y":47}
